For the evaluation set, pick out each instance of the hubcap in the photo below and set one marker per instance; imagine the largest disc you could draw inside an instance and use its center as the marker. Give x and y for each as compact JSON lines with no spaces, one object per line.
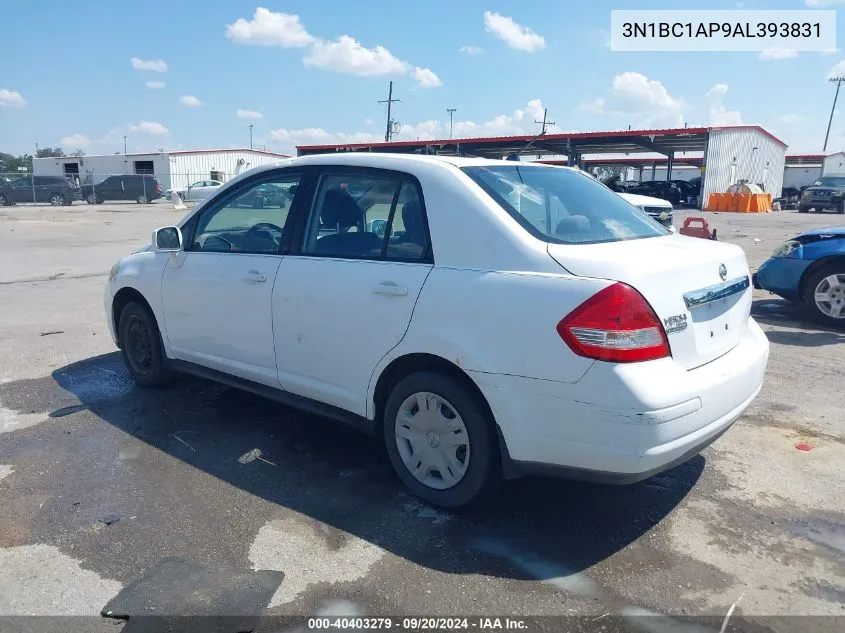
{"x":56,"y":200}
{"x":432,"y":440}
{"x":138,"y":345}
{"x":830,"y":296}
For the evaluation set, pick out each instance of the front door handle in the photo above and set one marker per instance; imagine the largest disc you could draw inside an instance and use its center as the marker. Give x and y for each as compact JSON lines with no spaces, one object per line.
{"x":390,"y":288}
{"x":255,"y":277}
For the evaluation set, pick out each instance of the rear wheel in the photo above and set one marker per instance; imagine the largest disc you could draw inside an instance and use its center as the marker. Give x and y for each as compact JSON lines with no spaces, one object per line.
{"x":91,"y":199}
{"x":142,"y":199}
{"x":803,"y":209}
{"x":4,"y":201}
{"x":141,"y":347}
{"x":438,"y":439}
{"x":824,"y":294}
{"x":57,"y":199}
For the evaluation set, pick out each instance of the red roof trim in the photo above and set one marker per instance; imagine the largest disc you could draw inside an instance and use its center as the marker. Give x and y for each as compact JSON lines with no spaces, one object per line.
{"x":806,"y":156}
{"x":549,"y":137}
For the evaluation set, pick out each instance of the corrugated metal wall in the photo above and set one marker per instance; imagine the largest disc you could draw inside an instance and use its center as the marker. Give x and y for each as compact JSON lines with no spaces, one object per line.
{"x":97,"y":167}
{"x":731,"y":157}
{"x":798,"y":175}
{"x":834,"y":164}
{"x":186,"y":169}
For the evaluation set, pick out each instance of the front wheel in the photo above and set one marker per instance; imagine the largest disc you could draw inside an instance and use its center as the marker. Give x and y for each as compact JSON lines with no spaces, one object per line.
{"x":57,"y":200}
{"x":4,"y":201}
{"x":824,"y":294}
{"x":803,"y":209}
{"x":142,"y":199}
{"x":141,"y":346}
{"x":439,"y":440}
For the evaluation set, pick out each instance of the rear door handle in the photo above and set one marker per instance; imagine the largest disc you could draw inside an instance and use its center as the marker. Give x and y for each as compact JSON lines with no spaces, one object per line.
{"x":255,"y":276}
{"x":390,"y":288}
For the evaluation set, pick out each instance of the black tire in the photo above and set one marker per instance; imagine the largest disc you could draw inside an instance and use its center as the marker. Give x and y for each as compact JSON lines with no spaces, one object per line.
{"x":141,"y":346}
{"x":481,"y":470}
{"x":4,"y":201}
{"x":840,"y":208}
{"x":92,"y":199}
{"x":803,"y":209}
{"x":142,"y":199}
{"x":809,"y":291}
{"x":57,"y":200}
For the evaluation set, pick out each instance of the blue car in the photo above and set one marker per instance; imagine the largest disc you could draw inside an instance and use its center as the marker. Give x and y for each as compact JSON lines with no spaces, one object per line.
{"x":809,"y":269}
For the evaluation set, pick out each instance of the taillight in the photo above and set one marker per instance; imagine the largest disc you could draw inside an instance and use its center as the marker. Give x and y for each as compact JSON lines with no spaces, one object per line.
{"x":617,"y":325}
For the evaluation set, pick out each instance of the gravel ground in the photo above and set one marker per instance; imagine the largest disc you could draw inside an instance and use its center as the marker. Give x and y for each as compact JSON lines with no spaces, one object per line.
{"x":101,"y":482}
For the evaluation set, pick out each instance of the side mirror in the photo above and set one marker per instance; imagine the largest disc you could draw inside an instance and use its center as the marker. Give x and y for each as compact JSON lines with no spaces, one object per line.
{"x":167,"y":239}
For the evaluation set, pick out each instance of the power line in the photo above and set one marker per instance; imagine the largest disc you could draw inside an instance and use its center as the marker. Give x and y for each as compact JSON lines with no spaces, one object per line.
{"x":544,"y":122}
{"x":838,"y":81}
{"x":392,"y":126}
{"x":451,"y":111}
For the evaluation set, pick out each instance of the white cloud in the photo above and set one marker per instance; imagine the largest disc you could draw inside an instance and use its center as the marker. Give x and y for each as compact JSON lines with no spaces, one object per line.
{"x":347,"y":55}
{"x":155,"y":85}
{"x":790,"y":118}
{"x":470,"y":50}
{"x":268,"y":28}
{"x":149,"y":127}
{"x":75,"y":141}
{"x":837,"y":71}
{"x":156,"y":65}
{"x":518,"y":37}
{"x":249,"y":114}
{"x":777,"y":53}
{"x":11,"y":99}
{"x":190,"y":101}
{"x":645,"y":101}
{"x":426,"y":78}
{"x":719,"y":115}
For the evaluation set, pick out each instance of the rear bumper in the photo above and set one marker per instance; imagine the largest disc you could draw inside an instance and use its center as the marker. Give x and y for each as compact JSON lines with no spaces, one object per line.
{"x":622,"y":423}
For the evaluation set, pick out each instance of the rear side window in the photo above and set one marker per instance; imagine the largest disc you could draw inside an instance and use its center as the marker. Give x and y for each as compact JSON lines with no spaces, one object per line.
{"x":563,"y":206}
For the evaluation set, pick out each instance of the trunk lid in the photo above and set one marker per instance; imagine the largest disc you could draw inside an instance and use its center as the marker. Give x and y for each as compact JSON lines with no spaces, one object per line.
{"x":680,"y":277}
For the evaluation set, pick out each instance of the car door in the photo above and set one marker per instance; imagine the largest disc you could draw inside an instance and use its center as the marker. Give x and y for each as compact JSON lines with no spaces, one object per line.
{"x":217,"y":291}
{"x":21,"y":190}
{"x":344,"y":294}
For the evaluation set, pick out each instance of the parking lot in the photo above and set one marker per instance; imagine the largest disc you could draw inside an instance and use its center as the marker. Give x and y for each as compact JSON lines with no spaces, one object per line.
{"x":100,"y":481}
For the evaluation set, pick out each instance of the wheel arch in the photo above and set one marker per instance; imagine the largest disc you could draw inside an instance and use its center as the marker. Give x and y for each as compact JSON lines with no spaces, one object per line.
{"x":414,"y":362}
{"x":815,"y":267}
{"x":121,"y":298}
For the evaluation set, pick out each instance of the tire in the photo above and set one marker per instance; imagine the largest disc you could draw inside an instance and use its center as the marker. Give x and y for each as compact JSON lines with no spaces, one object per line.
{"x":4,"y":201}
{"x":92,"y":199}
{"x":841,"y":207}
{"x":141,"y":346}
{"x":472,"y":464}
{"x":802,"y":209}
{"x":57,"y":199}
{"x":142,"y":199}
{"x":830,"y":280}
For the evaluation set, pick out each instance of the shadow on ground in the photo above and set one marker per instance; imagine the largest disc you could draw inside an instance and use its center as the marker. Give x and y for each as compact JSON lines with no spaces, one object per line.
{"x":313,"y":467}
{"x":805,"y":331}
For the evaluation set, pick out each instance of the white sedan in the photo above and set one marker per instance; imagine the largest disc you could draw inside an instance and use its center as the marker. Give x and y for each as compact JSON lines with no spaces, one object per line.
{"x":506,"y":319}
{"x":196,"y":191}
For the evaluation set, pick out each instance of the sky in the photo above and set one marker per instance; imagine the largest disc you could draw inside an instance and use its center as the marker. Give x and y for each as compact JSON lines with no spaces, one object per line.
{"x":194,"y":75}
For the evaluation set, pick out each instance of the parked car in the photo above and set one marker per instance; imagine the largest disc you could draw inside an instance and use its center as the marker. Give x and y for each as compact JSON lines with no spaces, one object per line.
{"x":511,"y":319}
{"x":828,"y":192}
{"x":197,"y":191}
{"x":659,"y":210}
{"x":688,"y":190}
{"x":809,"y":269}
{"x":55,"y":190}
{"x":663,"y":189}
{"x":269,"y":195}
{"x":140,"y":188}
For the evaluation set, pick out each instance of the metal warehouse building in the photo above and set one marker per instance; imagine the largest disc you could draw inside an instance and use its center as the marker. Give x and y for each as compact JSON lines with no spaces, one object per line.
{"x":173,"y":169}
{"x":727,"y":154}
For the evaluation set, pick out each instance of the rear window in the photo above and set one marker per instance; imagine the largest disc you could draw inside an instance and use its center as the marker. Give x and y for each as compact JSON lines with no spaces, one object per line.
{"x":564,"y":206}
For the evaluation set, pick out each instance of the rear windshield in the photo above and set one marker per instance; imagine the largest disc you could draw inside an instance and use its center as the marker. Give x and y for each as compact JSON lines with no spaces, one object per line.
{"x":564,"y":206}
{"x":830,"y":181}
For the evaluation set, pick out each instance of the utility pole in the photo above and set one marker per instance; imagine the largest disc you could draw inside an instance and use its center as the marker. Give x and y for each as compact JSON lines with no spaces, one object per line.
{"x":838,"y":81}
{"x":451,"y":111}
{"x":391,"y":128}
{"x":250,"y":136}
{"x":124,"y":146}
{"x":544,"y":122}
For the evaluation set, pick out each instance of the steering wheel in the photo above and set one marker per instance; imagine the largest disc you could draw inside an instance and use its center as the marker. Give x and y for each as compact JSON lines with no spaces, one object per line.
{"x":265,"y":226}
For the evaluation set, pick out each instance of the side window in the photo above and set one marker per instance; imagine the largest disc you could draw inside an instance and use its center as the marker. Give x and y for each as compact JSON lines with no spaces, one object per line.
{"x":249,"y":220}
{"x":407,"y":233}
{"x":349,"y":214}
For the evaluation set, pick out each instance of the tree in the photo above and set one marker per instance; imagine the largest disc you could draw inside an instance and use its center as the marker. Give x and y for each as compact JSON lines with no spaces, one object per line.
{"x":9,"y":164}
{"x":50,"y":152}
{"x":78,"y":152}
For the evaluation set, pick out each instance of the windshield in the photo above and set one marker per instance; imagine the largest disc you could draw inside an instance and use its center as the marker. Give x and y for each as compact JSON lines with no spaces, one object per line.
{"x":563,"y":206}
{"x":830,"y":181}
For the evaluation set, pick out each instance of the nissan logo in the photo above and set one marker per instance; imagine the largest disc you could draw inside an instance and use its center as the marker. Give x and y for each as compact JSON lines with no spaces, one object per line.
{"x":723,"y":272}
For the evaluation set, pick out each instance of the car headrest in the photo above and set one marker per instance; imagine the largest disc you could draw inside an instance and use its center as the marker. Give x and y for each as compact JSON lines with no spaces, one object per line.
{"x":573,"y":224}
{"x":339,"y":208}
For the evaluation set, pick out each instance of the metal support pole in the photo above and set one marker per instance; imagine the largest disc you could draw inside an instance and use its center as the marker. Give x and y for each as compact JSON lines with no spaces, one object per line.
{"x":670,"y":159}
{"x":838,"y":81}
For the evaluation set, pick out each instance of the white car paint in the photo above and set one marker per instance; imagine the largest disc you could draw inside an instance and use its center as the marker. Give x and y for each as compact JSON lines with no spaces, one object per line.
{"x":198,"y":190}
{"x":326,"y":328}
{"x":647,"y":201}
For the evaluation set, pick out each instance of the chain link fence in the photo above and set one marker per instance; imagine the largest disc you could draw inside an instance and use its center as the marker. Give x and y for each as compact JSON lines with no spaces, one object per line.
{"x":62,"y":189}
